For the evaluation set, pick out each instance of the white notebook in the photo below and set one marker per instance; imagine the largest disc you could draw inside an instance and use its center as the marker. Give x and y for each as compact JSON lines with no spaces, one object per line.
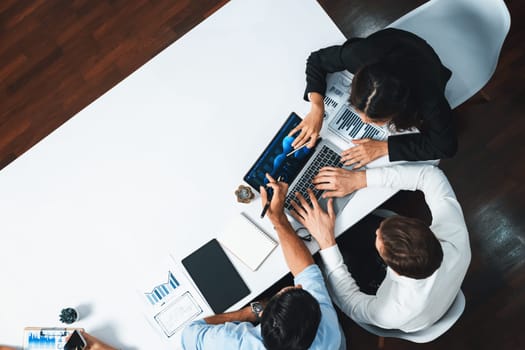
{"x":247,"y":241}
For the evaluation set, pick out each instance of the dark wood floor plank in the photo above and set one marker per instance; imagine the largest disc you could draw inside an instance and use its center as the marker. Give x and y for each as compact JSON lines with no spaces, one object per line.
{"x":361,"y":18}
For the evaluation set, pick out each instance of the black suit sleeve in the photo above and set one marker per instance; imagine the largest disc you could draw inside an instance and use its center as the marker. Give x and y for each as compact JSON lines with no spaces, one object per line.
{"x":438,"y":139}
{"x":329,"y":60}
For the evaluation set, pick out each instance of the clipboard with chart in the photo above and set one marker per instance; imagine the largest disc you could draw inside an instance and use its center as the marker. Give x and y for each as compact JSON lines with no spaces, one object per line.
{"x":51,"y":338}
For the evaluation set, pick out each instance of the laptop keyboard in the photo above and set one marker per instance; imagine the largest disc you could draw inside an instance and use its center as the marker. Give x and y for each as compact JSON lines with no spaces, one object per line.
{"x":325,"y":157}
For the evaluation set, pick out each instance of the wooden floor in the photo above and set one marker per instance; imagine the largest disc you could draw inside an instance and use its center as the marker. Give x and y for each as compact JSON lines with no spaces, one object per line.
{"x":58,"y":56}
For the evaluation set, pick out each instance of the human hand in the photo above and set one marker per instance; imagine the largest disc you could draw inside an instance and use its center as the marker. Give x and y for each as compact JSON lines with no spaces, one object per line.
{"x":275,"y":211}
{"x":311,"y":125}
{"x":95,"y":344}
{"x":318,"y":222}
{"x":364,"y":151}
{"x":338,"y":182}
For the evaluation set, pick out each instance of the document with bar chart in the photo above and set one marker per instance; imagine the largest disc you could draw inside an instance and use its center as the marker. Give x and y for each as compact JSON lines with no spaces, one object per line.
{"x":161,"y":292}
{"x":36,"y":338}
{"x":342,"y":119}
{"x":168,"y":299}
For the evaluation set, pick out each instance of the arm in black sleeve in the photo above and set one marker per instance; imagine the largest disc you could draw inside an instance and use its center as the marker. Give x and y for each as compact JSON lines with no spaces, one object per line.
{"x":320,"y":63}
{"x":352,"y":55}
{"x":329,"y":60}
{"x":438,"y":140}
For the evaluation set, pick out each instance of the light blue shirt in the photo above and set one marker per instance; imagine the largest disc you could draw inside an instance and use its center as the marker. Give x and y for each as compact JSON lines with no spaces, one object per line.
{"x":243,"y":335}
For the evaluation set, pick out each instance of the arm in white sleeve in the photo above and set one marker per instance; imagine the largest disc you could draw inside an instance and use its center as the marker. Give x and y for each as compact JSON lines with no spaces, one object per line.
{"x":439,"y":195}
{"x":345,"y":292}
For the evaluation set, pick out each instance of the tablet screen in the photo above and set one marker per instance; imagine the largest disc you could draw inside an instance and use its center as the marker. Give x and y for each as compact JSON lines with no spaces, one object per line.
{"x":274,"y":159}
{"x":215,"y":276}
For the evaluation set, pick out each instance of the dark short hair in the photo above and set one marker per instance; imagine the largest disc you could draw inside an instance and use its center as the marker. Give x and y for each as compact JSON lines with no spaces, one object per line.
{"x":382,"y":95}
{"x":410,"y":248}
{"x":290,"y":320}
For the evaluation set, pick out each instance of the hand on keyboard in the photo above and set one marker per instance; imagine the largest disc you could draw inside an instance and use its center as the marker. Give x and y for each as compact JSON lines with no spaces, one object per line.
{"x":338,"y":182}
{"x":325,"y":157}
{"x":318,"y":222}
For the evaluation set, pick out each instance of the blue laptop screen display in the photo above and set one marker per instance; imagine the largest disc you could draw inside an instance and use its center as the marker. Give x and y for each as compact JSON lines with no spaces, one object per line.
{"x":274,"y":159}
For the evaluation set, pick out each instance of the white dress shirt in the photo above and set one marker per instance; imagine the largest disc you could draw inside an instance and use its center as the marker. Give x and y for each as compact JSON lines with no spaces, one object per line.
{"x":406,"y":303}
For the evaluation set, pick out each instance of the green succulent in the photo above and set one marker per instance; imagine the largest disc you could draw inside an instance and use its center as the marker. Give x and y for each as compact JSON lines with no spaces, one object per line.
{"x":68,"y":315}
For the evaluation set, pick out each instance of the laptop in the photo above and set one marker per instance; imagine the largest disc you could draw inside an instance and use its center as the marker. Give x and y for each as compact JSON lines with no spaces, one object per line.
{"x":297,"y":169}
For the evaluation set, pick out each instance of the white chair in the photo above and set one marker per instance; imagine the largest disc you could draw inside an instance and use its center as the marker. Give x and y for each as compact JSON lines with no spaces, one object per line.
{"x":428,"y":334}
{"x":467,"y":36}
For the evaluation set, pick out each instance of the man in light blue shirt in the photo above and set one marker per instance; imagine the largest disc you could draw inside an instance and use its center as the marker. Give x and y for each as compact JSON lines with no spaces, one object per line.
{"x":298,"y":317}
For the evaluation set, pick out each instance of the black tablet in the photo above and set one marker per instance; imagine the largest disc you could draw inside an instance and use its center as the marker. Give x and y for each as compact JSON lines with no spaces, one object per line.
{"x":215,"y":276}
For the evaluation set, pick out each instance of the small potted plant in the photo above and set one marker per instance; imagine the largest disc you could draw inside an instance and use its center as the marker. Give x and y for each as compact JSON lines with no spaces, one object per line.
{"x":68,"y":315}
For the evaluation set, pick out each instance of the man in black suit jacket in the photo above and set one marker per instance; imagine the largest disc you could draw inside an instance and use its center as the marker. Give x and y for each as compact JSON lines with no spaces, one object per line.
{"x":396,"y":73}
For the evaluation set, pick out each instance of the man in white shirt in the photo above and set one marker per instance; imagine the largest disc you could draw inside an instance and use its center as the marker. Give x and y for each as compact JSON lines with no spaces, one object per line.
{"x":425,"y":266}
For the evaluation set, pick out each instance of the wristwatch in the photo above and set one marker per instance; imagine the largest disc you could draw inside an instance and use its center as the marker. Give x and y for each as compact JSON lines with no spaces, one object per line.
{"x":257,"y":308}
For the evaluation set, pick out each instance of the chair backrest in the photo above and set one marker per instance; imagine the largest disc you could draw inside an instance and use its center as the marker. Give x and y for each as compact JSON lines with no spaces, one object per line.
{"x":467,"y":36}
{"x":428,"y":334}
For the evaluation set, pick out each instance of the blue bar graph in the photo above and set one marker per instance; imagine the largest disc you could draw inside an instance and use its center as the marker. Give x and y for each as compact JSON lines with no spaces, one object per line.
{"x":39,"y":340}
{"x":161,"y":291}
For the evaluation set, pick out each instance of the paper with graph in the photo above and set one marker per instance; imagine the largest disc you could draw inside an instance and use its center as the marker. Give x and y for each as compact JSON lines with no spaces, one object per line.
{"x":169,"y":300}
{"x":342,"y":118}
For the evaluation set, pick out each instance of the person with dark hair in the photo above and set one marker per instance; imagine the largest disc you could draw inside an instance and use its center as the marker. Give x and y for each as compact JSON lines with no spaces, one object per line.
{"x":298,"y":317}
{"x":279,"y":326}
{"x":398,"y":81}
{"x":409,"y":247}
{"x":425,"y":266}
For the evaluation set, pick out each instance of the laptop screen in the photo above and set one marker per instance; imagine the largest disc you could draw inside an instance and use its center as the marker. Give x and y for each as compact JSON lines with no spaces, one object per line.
{"x":274,"y":159}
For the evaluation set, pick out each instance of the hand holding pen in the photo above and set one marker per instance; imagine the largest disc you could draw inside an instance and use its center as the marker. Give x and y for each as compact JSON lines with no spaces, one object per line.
{"x":275,"y":190}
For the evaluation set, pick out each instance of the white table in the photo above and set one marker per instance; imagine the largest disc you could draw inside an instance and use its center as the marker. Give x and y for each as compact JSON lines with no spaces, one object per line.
{"x":149,"y":169}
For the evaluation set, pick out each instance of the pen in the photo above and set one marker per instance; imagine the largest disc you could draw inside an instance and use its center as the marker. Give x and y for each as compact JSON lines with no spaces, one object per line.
{"x":269,"y":199}
{"x":295,"y":150}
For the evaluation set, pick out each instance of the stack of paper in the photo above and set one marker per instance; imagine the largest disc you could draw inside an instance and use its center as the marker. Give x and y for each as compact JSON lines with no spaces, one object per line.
{"x":247,"y":241}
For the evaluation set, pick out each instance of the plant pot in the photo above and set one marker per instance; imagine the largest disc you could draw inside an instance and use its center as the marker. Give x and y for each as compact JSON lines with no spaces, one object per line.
{"x":69,"y":315}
